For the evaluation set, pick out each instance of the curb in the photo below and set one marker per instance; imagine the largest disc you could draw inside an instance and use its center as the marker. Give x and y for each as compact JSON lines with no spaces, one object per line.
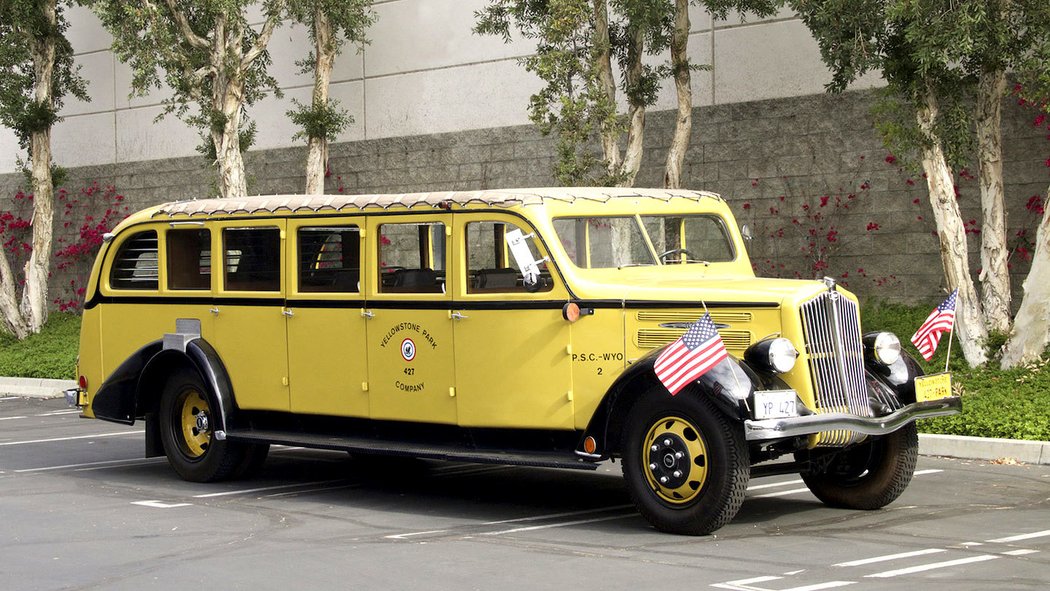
{"x":984,"y":448}
{"x":34,"y":387}
{"x":952,"y":446}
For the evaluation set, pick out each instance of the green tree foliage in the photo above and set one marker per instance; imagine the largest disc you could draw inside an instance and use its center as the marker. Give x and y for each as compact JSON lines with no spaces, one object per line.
{"x":212,"y":59}
{"x":577,"y":42}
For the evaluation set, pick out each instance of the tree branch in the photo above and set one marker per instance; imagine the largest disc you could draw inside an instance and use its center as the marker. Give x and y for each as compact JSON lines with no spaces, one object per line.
{"x":192,"y":38}
{"x":264,"y":36}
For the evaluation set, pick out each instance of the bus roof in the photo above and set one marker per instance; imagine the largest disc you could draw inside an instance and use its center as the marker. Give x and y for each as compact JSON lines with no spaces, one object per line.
{"x":340,"y":202}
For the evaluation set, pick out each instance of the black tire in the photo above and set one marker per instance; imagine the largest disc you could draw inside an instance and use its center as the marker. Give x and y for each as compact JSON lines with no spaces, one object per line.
{"x":186,"y":406}
{"x":700,"y":452}
{"x":867,"y":476}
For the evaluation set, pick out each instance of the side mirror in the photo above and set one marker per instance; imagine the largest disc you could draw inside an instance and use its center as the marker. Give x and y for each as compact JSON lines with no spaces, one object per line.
{"x":745,"y":231}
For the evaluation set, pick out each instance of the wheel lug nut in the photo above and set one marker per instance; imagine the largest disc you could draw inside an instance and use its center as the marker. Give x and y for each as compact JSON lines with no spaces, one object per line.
{"x":652,"y":466}
{"x":667,"y":442}
{"x":677,"y":473}
{"x":654,"y":447}
{"x":663,"y":480}
{"x":679,"y":455}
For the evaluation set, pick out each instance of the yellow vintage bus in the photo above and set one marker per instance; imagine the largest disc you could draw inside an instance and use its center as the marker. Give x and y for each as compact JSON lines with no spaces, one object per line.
{"x":508,"y":326}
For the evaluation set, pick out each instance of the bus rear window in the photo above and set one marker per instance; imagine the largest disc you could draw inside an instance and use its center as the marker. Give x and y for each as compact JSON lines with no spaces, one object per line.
{"x":135,"y":266}
{"x":189,"y":259}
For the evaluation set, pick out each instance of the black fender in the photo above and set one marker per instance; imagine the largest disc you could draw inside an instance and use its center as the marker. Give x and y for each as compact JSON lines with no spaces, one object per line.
{"x":899,"y":377}
{"x":116,"y":398}
{"x":133,"y":390}
{"x":729,"y":384}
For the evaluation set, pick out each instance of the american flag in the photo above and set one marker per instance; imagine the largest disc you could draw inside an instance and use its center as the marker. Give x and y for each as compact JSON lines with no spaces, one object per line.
{"x":688,"y":358}
{"x":929,"y":334}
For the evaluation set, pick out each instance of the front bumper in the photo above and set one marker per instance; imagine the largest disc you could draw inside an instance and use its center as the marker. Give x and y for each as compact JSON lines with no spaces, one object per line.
{"x":807,"y":425}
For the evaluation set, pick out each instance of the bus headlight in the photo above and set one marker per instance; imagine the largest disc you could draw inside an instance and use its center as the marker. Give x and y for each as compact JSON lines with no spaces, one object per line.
{"x":885,"y":347}
{"x":777,"y":355}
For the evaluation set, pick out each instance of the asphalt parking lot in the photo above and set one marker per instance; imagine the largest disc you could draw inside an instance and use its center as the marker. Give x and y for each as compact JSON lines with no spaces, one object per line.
{"x":81,"y":509}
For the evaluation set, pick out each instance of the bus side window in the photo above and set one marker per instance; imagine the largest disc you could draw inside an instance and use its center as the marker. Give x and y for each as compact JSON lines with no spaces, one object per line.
{"x":189,"y":259}
{"x":329,"y":259}
{"x":252,"y":259}
{"x":412,"y":258}
{"x":135,"y":265}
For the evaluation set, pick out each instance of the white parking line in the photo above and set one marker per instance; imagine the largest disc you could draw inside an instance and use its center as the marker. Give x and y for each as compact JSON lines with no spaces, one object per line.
{"x":120,"y":434}
{"x":782,"y":493}
{"x":925,"y":472}
{"x":887,"y":557}
{"x":524,"y":519}
{"x":1021,"y":552}
{"x":160,"y":504}
{"x":1038,"y":534}
{"x":58,"y":412}
{"x":11,"y":418}
{"x":261,"y":489}
{"x":8,"y":398}
{"x":106,"y":463}
{"x":562,"y":524}
{"x":774,"y":484}
{"x":819,"y":586}
{"x":932,"y":566}
{"x":745,"y":584}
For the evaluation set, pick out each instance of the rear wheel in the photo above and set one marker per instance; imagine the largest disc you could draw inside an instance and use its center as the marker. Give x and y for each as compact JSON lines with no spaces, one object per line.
{"x":187,"y":412}
{"x":685,"y":463}
{"x":866,"y":476}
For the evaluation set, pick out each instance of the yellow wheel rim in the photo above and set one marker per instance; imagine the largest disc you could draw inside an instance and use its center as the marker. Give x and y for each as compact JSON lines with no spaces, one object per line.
{"x":674,"y":460}
{"x":194,"y":421}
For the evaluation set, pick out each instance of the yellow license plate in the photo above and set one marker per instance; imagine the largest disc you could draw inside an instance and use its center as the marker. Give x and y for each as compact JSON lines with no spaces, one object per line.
{"x":933,"y":387}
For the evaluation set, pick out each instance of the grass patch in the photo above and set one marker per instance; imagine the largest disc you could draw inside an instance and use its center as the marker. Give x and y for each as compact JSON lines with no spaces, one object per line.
{"x":50,"y":354}
{"x":1012,"y":404}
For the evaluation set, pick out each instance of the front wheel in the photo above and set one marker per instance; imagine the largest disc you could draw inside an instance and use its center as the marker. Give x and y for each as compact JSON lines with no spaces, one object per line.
{"x":685,"y":463}
{"x":866,"y":476}
{"x":187,"y":415}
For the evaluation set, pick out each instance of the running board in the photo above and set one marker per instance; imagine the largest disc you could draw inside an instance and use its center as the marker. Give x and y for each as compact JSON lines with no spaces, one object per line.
{"x":536,"y":459}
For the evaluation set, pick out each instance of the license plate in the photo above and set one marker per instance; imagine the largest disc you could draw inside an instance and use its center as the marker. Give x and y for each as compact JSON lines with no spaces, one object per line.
{"x":933,"y":387}
{"x":775,"y":404}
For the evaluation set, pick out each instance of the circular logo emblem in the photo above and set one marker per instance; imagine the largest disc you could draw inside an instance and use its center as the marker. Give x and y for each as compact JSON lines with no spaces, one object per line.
{"x":408,"y":350}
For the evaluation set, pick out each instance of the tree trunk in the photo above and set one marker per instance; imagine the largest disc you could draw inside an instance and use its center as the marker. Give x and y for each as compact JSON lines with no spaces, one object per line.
{"x":632,"y":160}
{"x":995,"y":277}
{"x":317,"y":147}
{"x":38,"y":268}
{"x":1031,"y":332}
{"x":9,"y":312}
{"x":610,"y":132}
{"x":970,"y":330}
{"x":683,"y":84}
{"x":227,"y":98}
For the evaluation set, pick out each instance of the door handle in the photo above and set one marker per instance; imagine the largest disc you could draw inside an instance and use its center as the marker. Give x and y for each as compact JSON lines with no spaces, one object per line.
{"x":457,"y":316}
{"x":287,"y":312}
{"x":367,"y":314}
{"x":214,"y":311}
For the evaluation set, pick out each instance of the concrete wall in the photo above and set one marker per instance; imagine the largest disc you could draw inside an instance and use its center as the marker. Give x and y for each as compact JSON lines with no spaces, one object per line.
{"x":753,"y":153}
{"x":423,"y":72}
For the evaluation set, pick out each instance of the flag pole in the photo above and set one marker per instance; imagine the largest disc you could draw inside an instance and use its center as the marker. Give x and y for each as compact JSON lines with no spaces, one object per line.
{"x":951,"y":333}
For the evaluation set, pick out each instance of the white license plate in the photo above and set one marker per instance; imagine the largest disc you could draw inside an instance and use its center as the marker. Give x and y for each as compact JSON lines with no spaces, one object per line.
{"x":775,"y":404}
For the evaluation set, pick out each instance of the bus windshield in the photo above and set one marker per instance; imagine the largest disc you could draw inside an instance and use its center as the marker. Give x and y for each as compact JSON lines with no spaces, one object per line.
{"x":644,"y":240}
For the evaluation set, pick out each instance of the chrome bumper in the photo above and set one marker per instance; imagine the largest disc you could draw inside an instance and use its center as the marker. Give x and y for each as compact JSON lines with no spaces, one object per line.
{"x":810,"y":424}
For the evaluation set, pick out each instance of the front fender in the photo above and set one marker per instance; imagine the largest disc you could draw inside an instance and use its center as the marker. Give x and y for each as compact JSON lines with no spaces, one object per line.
{"x":728,"y":385}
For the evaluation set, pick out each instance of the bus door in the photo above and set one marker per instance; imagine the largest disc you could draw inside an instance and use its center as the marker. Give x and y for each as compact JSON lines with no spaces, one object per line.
{"x":513,"y":359}
{"x":409,"y":323}
{"x":326,"y":324}
{"x":249,"y":317}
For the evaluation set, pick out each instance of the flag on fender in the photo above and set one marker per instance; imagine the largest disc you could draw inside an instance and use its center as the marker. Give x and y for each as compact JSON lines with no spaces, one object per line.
{"x":691,"y":356}
{"x":941,"y":319}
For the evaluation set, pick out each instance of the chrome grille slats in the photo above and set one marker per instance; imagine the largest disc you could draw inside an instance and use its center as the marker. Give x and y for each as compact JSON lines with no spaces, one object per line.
{"x":831,"y":327}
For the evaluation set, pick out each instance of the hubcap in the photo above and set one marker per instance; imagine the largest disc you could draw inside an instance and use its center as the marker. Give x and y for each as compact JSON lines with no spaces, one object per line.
{"x":194,"y":424}
{"x":676,"y":460}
